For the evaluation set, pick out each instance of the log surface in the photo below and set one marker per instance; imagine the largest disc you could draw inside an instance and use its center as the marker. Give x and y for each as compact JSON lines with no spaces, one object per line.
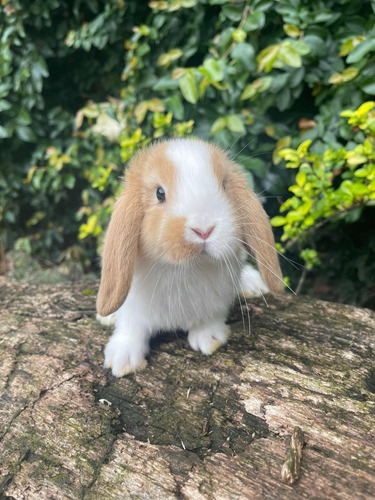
{"x":188,"y":426}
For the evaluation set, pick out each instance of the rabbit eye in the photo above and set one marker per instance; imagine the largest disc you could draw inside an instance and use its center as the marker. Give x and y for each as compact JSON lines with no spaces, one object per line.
{"x":160,"y":194}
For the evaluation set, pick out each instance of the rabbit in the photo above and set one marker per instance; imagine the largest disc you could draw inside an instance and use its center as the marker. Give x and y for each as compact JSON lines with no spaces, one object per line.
{"x":175,"y":251}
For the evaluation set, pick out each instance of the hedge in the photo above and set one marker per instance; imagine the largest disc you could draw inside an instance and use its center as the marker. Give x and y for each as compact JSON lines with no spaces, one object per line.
{"x":85,"y":83}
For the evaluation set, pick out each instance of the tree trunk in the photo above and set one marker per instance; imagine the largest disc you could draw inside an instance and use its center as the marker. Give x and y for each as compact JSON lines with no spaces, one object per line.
{"x":188,"y":426}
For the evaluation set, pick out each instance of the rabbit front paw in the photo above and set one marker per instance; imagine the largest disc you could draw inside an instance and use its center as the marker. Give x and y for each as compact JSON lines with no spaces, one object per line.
{"x":125,"y":356}
{"x":209,"y":338}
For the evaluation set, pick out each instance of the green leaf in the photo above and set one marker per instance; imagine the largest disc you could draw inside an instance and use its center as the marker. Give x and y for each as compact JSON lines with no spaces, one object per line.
{"x":290,"y":56}
{"x":25,"y":134}
{"x":368,"y":86}
{"x":213,"y":70}
{"x":4,"y":105}
{"x":359,"y":52}
{"x":165,"y":84}
{"x":69,"y":181}
{"x":255,"y":21}
{"x":235,"y":124}
{"x":316,"y":45}
{"x":300,"y":47}
{"x":168,"y":57}
{"x":188,"y":86}
{"x":278,"y":221}
{"x":232,"y":12}
{"x":3,"y":133}
{"x":258,"y":85}
{"x":218,"y":125}
{"x":175,"y":106}
{"x":248,"y":92}
{"x":244,"y":52}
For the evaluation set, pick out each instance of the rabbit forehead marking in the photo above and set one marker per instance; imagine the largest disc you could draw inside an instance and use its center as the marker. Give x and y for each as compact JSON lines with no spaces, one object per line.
{"x":199,"y":171}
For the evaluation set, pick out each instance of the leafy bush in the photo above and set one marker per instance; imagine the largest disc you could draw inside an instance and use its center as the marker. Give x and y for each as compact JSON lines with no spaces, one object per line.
{"x":332,"y":188}
{"x":337,"y":184}
{"x":256,"y":77}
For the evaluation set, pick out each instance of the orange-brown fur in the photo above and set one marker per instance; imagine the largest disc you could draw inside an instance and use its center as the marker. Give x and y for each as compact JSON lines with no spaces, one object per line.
{"x":218,"y":163}
{"x":178,"y":249}
{"x":158,"y":171}
{"x":120,"y":246}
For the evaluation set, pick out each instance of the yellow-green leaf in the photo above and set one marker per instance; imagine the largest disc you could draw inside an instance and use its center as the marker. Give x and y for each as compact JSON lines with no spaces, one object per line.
{"x":282,"y":143}
{"x":353,"y":159}
{"x":300,"y":179}
{"x":166,"y":58}
{"x":335,"y":79}
{"x":349,"y":74}
{"x":278,"y":221}
{"x":291,"y":30}
{"x":365,"y":108}
{"x":349,"y":45}
{"x":248,"y":92}
{"x":267,"y":57}
{"x":239,"y":35}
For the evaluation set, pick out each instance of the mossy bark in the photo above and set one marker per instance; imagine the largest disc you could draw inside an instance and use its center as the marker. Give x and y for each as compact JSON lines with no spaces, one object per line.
{"x":188,"y":426}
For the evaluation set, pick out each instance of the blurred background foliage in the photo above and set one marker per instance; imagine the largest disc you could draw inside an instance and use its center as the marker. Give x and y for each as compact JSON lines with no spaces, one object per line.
{"x":285,"y":85}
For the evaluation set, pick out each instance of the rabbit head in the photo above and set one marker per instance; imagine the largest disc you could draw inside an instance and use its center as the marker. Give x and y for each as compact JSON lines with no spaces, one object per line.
{"x":183,"y":200}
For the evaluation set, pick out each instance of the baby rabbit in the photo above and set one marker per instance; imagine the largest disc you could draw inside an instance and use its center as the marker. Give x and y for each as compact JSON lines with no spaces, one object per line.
{"x":176,"y":248}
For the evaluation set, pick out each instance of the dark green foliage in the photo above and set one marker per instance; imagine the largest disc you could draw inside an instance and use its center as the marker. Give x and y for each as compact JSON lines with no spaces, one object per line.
{"x":85,"y":83}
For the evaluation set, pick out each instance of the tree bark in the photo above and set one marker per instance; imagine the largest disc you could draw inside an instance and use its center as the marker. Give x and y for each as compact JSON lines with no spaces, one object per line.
{"x":188,"y":426}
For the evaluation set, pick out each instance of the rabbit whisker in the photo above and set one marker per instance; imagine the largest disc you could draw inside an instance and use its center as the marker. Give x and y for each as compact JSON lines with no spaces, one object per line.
{"x":296,"y":265}
{"x":264,"y":264}
{"x":238,"y":294}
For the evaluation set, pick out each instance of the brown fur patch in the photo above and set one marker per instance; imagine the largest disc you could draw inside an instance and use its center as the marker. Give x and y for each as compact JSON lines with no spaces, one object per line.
{"x":157,"y":170}
{"x":178,"y":249}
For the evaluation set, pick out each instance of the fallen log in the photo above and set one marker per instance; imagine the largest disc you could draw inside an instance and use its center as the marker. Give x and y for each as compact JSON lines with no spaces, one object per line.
{"x":285,"y":411}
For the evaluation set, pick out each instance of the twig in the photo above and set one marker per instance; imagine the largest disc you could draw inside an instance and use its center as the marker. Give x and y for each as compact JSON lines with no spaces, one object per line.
{"x":245,"y":13}
{"x":301,"y":280}
{"x":321,"y":223}
{"x":291,"y":469}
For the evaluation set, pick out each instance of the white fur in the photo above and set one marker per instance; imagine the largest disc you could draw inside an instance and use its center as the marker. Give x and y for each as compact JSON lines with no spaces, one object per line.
{"x":252,"y":284}
{"x":200,"y":198}
{"x":106,"y":320}
{"x":194,"y":296}
{"x":168,"y":297}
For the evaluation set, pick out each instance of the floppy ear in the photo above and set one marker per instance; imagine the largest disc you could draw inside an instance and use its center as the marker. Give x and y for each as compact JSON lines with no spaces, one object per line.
{"x":120,"y":249}
{"x":256,"y":229}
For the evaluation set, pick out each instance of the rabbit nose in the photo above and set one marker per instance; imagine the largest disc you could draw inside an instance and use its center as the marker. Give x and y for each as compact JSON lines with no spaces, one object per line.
{"x":203,"y":234}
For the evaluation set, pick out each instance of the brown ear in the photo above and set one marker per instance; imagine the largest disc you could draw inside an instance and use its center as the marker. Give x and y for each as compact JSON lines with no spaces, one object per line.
{"x":256,"y":229}
{"x":120,"y":249}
